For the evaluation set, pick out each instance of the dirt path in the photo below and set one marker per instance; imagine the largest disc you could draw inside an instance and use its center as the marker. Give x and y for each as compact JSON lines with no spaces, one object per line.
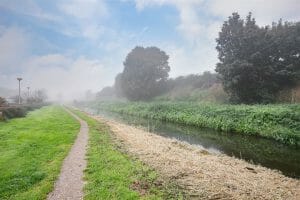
{"x":201,"y":174}
{"x":70,"y":182}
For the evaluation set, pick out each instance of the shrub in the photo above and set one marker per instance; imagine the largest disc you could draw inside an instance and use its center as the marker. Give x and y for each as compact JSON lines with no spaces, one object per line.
{"x":18,"y":111}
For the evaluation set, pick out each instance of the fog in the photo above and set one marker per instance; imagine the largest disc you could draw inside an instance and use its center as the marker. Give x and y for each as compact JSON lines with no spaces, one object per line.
{"x":77,"y":46}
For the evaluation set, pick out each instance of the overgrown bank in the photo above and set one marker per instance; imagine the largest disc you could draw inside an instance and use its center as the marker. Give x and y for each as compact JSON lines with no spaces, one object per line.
{"x":279,"y":122}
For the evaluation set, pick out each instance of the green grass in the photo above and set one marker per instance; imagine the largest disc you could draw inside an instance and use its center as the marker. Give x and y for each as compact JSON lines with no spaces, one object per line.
{"x":32,"y":150}
{"x":279,"y":122}
{"x":111,"y":174}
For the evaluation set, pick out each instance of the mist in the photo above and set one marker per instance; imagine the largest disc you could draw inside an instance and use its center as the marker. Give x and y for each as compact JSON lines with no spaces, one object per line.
{"x":68,"y":51}
{"x":149,"y":99}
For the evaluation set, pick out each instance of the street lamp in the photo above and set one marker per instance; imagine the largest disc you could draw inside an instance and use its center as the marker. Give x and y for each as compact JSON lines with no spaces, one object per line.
{"x":19,"y":79}
{"x":28,"y":88}
{"x":28,"y":94}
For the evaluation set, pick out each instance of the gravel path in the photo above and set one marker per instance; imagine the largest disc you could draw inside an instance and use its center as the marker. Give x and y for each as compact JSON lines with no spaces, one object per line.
{"x":70,"y":182}
{"x":201,"y":174}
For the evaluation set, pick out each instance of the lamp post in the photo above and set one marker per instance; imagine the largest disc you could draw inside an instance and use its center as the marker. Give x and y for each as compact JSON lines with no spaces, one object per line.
{"x":28,"y":94}
{"x":19,"y":79}
{"x":28,"y":88}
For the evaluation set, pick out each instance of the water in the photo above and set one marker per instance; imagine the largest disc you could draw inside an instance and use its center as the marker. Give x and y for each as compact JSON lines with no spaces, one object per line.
{"x":253,"y":149}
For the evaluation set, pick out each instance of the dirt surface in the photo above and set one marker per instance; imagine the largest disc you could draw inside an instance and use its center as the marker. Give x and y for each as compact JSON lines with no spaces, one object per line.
{"x":201,"y":174}
{"x":70,"y":182}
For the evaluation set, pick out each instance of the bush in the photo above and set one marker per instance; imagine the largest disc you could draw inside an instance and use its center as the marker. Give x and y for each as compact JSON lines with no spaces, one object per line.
{"x":2,"y":101}
{"x":17,"y":111}
{"x":13,"y":112}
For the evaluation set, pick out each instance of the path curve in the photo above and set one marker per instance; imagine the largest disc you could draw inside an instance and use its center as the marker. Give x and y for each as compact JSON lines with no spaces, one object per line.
{"x":69,"y":185}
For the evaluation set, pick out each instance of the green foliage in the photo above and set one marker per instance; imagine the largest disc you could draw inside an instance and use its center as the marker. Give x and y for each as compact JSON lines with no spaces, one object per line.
{"x":111,"y":174}
{"x":38,"y":97}
{"x":215,"y":94}
{"x":199,"y":81}
{"x":32,"y":150}
{"x":279,"y":122}
{"x":145,"y":73}
{"x":106,"y":92}
{"x":257,"y":62}
{"x":14,"y":112}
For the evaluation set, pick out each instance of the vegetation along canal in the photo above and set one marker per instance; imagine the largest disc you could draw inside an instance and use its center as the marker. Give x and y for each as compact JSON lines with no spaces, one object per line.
{"x":257,"y":150}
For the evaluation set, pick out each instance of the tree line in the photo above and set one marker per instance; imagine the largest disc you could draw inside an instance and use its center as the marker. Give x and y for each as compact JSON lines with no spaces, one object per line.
{"x":36,"y":97}
{"x":255,"y":64}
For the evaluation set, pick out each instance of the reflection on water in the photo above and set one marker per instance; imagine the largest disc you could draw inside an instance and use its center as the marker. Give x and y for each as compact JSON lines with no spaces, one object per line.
{"x":256,"y":150}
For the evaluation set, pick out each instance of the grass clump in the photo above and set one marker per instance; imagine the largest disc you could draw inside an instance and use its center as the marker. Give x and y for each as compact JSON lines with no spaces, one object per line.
{"x":111,"y":174}
{"x":32,"y":150}
{"x":279,"y":122}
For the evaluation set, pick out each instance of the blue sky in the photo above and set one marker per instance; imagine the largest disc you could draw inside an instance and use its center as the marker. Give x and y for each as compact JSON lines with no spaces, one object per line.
{"x":68,"y":47}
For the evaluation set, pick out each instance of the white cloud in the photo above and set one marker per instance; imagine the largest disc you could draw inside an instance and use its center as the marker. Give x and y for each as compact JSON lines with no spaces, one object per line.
{"x":60,"y":74}
{"x":201,"y":20}
{"x":14,"y":46}
{"x":184,"y":61}
{"x":71,"y":80}
{"x":57,"y":73}
{"x":76,"y":18}
{"x":85,"y":9}
{"x":265,"y":11}
{"x":29,"y":8}
{"x":189,"y":25}
{"x":191,"y":11}
{"x":199,"y":23}
{"x":198,"y":54}
{"x":88,"y":15}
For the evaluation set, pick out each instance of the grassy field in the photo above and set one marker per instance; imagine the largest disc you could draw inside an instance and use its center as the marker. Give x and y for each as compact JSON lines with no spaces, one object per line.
{"x":279,"y":122}
{"x":111,"y":174}
{"x":32,"y":150}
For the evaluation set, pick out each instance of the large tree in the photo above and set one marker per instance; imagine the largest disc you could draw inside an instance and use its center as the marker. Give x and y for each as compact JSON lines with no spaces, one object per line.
{"x":256,"y":62}
{"x":145,"y":73}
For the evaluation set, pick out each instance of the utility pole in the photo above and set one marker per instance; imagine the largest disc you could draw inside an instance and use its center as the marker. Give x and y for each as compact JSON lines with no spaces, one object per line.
{"x":28,"y":94}
{"x":19,"y":79}
{"x":28,"y":88}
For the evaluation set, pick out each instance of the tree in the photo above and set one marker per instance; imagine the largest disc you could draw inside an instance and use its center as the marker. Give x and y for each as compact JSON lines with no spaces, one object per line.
{"x":200,"y":81}
{"x":39,"y":96}
{"x":145,"y":73}
{"x":286,"y":52}
{"x":118,"y":85}
{"x":255,"y":62}
{"x":106,"y":92}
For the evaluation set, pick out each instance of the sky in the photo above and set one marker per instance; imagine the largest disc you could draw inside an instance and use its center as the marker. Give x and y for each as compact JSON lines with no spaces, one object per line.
{"x":70,"y":46}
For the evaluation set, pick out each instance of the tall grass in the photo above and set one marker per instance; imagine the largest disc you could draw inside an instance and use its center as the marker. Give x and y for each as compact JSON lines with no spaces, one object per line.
{"x":279,"y":122}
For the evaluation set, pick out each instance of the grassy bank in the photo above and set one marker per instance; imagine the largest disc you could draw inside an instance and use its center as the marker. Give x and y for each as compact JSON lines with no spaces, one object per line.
{"x":32,"y":150}
{"x":279,"y":122}
{"x":111,"y":174}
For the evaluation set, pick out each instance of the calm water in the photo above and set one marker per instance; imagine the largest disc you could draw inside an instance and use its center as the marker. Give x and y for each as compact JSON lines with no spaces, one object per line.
{"x":256,"y":150}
